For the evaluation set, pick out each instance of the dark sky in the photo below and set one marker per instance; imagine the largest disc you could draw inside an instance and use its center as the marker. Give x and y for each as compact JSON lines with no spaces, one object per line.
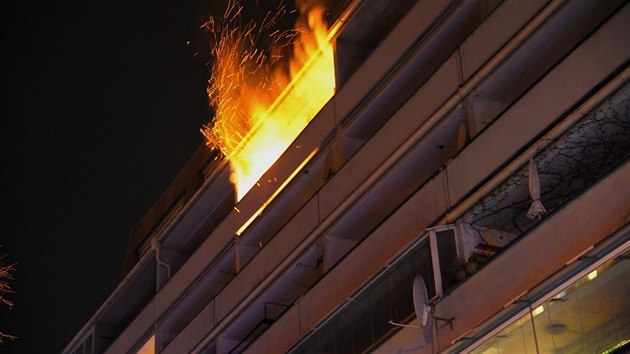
{"x":102,"y":102}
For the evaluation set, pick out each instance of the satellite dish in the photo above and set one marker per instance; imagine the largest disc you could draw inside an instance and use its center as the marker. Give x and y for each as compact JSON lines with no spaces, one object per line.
{"x":420,"y":301}
{"x":423,"y":312}
{"x":422,"y":308}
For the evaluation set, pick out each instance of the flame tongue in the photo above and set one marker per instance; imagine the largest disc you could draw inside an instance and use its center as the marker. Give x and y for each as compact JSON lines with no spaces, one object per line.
{"x":261,"y":103}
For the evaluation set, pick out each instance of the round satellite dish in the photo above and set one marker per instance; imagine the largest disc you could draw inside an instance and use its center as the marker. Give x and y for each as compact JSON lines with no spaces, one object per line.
{"x":422,"y":308}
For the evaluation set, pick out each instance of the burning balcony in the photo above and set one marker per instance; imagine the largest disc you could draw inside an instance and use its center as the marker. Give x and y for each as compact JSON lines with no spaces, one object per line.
{"x":404,"y":144}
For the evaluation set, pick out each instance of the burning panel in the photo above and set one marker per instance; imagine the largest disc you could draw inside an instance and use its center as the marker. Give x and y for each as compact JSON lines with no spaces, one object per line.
{"x":263,"y":99}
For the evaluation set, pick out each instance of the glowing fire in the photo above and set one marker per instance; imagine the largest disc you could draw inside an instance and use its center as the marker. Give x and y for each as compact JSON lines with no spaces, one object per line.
{"x":262,"y":101}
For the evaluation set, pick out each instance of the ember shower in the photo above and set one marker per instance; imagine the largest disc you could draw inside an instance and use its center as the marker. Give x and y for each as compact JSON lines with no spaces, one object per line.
{"x":264,"y":97}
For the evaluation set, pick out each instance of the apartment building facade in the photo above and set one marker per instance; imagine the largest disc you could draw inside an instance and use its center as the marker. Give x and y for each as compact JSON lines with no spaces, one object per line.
{"x":480,"y":146}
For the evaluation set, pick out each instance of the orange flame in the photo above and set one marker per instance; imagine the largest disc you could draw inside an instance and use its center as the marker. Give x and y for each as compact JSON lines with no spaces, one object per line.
{"x":261,"y":101}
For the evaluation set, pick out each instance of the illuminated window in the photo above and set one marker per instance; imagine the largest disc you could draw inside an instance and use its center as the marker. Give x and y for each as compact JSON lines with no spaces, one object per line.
{"x":591,"y":315}
{"x":148,"y":347}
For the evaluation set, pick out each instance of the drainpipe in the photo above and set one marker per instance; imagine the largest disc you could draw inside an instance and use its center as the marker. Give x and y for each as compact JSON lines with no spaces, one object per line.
{"x":156,"y":246}
{"x":400,"y":152}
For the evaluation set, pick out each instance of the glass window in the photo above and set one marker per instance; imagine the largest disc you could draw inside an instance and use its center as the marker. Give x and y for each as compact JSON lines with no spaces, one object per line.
{"x":516,"y":338}
{"x":447,"y":256}
{"x":591,"y":315}
{"x":365,"y":319}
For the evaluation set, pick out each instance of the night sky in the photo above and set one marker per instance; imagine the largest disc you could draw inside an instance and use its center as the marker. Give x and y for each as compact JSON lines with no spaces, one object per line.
{"x":102,"y":102}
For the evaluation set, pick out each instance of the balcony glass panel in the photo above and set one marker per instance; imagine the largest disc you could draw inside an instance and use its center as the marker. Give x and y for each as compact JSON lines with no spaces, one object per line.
{"x":364,"y":321}
{"x":591,"y":315}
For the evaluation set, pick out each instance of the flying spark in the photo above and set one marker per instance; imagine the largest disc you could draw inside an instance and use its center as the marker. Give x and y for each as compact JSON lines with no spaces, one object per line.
{"x":263,"y":98}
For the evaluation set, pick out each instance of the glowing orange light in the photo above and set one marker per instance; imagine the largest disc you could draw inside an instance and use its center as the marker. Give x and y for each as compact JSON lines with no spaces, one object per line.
{"x":275,"y":194}
{"x":261,"y":101}
{"x":148,"y":347}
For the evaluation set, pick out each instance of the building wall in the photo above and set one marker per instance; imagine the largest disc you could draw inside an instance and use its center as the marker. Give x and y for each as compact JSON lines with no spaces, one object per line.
{"x":444,"y":111}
